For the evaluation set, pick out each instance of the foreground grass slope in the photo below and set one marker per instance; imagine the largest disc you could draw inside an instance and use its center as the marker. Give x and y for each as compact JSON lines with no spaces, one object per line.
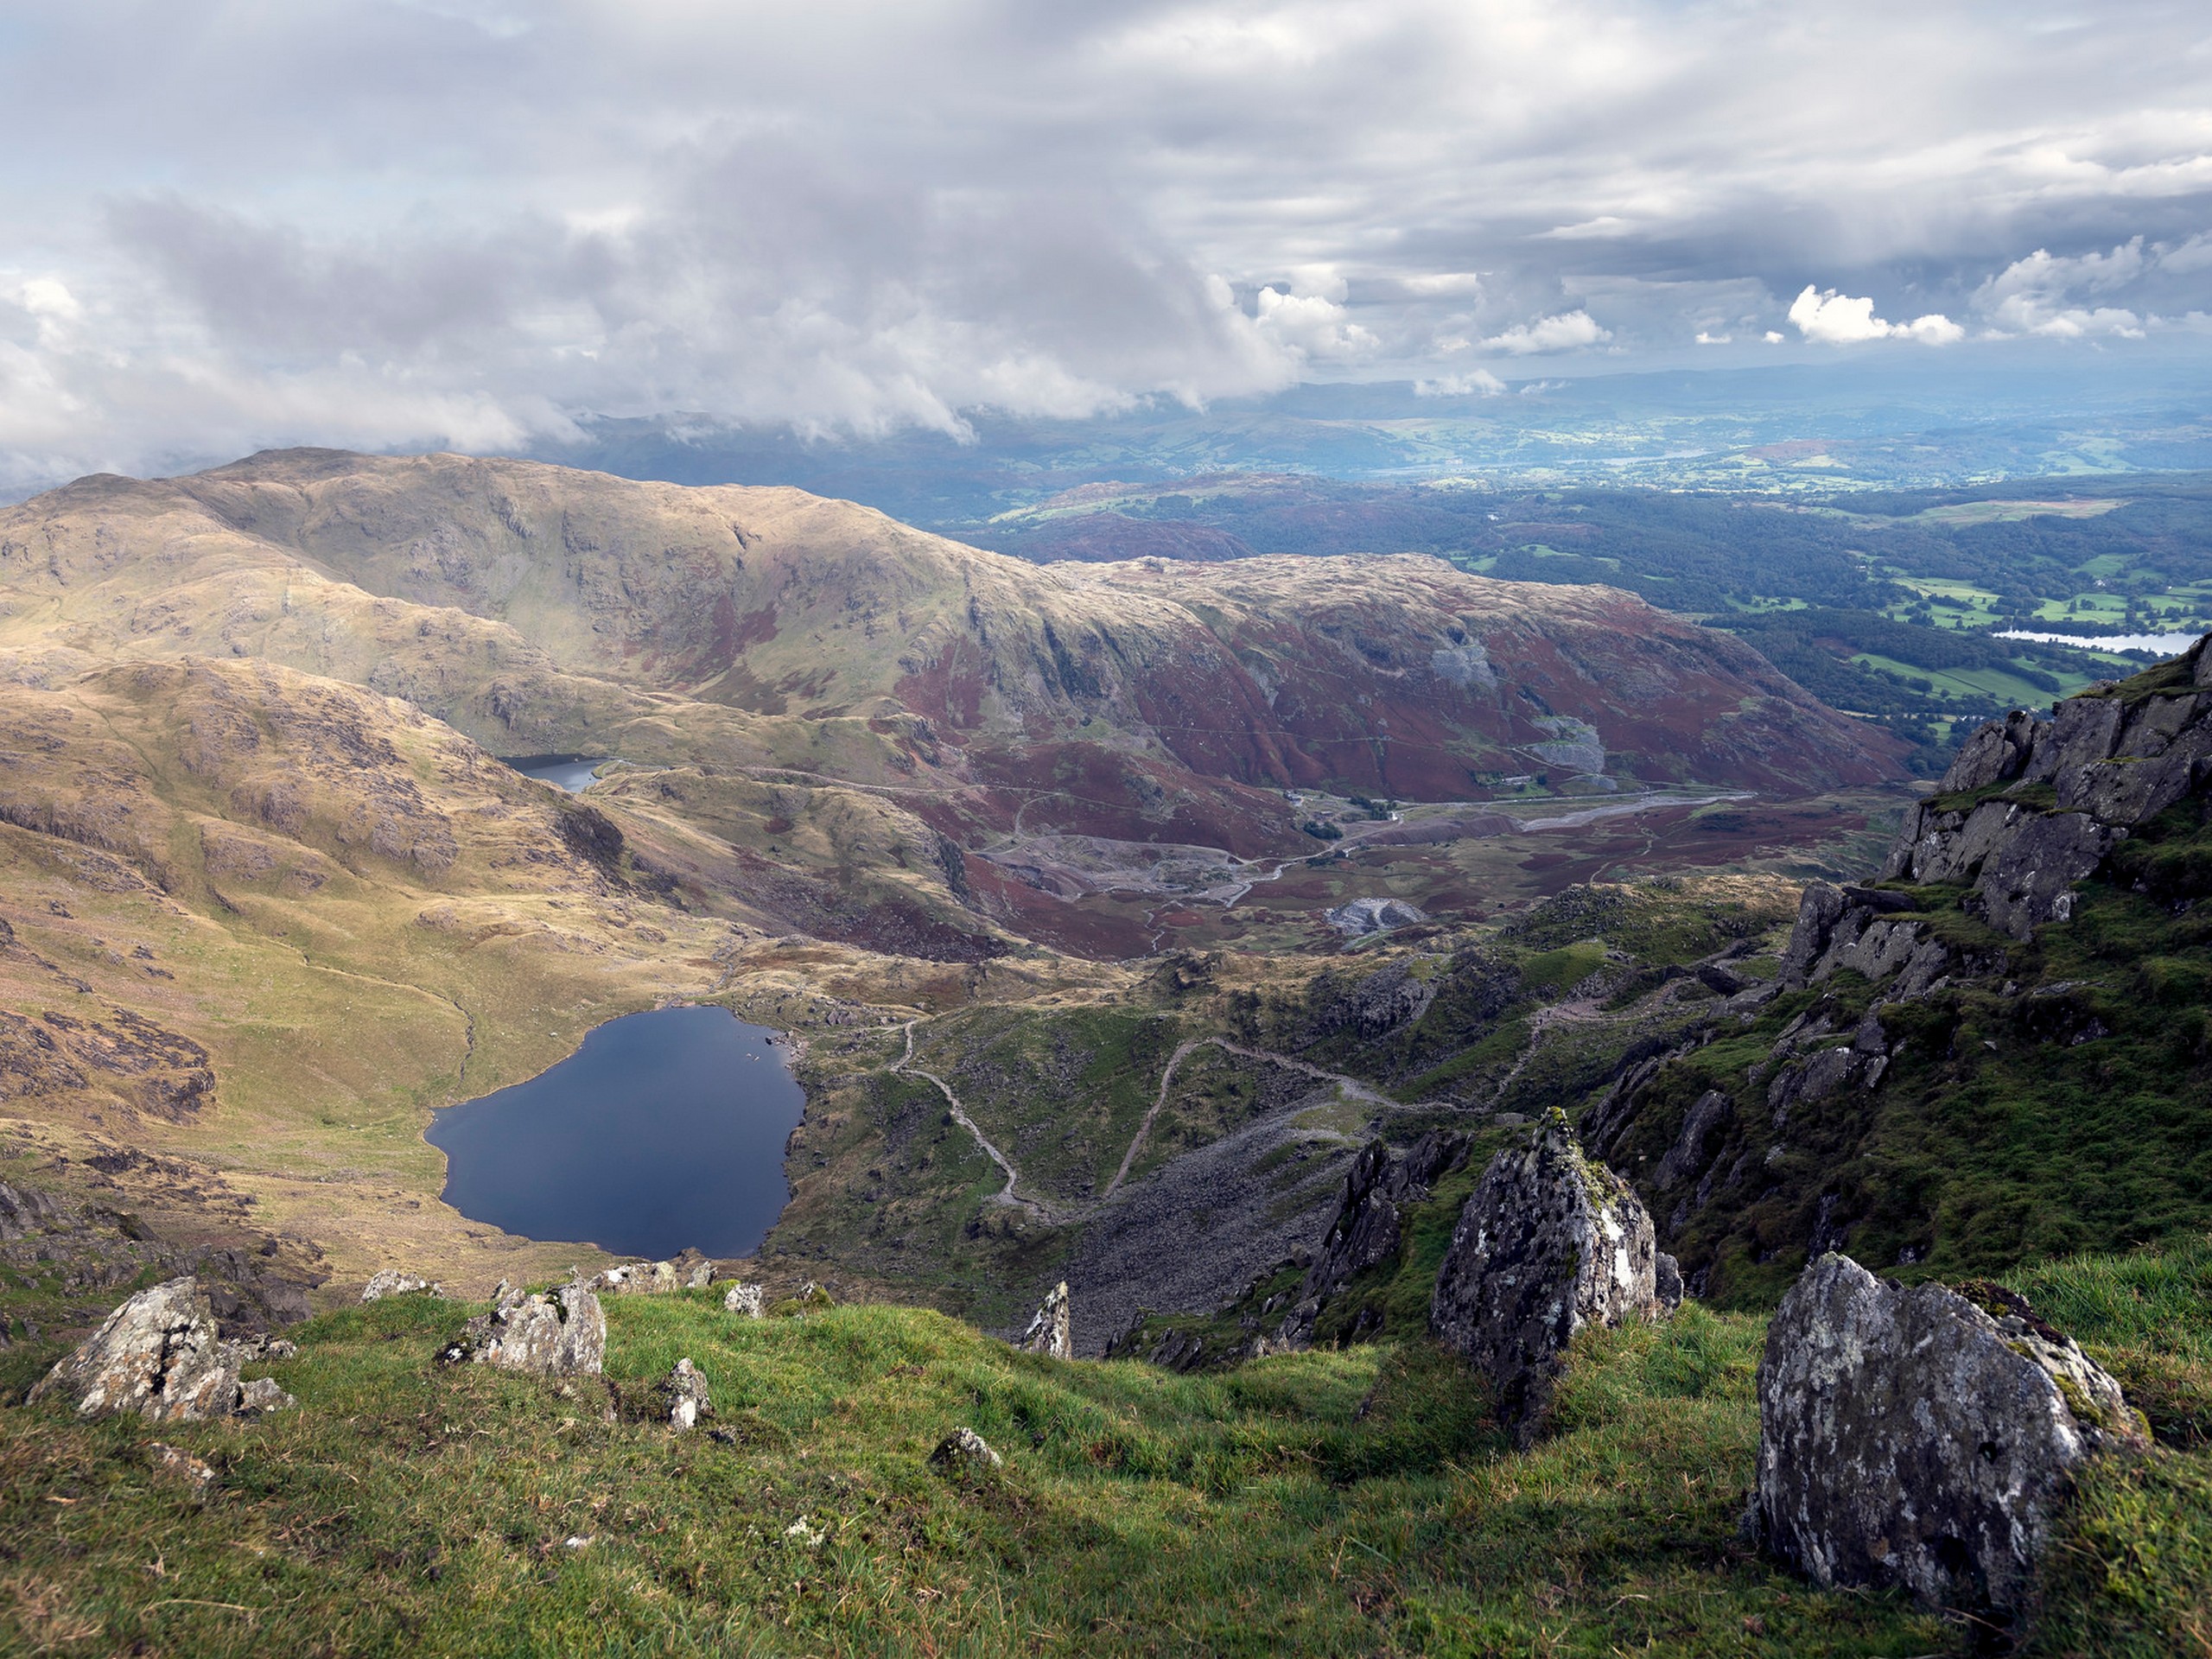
{"x":1356,"y":1501}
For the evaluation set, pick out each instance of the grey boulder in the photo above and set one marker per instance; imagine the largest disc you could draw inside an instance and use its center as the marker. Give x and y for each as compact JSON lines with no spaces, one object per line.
{"x":1549,"y":1242}
{"x":159,"y":1355}
{"x":683,"y":1395}
{"x":1913,"y":1437}
{"x":563,"y":1334}
{"x":1051,"y":1328}
{"x":392,"y":1282}
{"x":690,"y":1271}
{"x":746,"y":1301}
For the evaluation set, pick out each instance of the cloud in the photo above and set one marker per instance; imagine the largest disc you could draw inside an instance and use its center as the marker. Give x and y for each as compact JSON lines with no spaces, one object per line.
{"x":1311,"y":326}
{"x":2041,"y":294}
{"x":1475,"y":383}
{"x":1828,"y":318}
{"x":452,"y":221}
{"x":1566,"y":332}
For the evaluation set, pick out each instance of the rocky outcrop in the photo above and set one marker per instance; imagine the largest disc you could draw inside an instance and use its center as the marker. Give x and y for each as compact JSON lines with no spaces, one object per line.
{"x":24,"y":1210}
{"x":93,"y":1247}
{"x":746,"y":1300}
{"x":2032,"y":807}
{"x":562,"y":1334}
{"x":965,"y":1452}
{"x":1915,"y":1438}
{"x":681,"y":1396}
{"x":392,"y":1282}
{"x":1369,"y":1224}
{"x":1548,"y":1243}
{"x":161,"y":1355}
{"x":690,"y":1271}
{"x":1051,"y":1328}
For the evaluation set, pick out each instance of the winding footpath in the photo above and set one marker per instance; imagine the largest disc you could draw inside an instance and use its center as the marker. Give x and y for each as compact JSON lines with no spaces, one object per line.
{"x":1006,"y":1194}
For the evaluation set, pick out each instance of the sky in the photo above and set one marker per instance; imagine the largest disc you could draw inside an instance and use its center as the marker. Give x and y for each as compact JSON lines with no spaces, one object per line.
{"x":399,"y":224}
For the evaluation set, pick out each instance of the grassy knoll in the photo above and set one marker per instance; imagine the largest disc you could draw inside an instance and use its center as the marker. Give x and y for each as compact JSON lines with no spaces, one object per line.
{"x":1353,"y":1501}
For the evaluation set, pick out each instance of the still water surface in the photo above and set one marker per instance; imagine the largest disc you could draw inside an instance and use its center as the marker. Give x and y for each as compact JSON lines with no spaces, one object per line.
{"x":665,"y":1130}
{"x":2171,"y":644}
{"x":572,"y":772}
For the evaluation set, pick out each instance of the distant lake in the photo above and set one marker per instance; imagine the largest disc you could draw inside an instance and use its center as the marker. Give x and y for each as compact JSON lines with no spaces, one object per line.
{"x":570,"y":772}
{"x":2166,"y":645}
{"x":665,"y":1130}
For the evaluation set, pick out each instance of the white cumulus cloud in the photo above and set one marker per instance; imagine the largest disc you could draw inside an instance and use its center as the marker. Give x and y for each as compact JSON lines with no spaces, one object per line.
{"x":1310,"y":326}
{"x":1829,"y":318}
{"x":1568,"y":330}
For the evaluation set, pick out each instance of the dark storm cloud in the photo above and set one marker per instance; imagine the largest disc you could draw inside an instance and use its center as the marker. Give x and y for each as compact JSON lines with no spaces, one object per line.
{"x":463,"y":221}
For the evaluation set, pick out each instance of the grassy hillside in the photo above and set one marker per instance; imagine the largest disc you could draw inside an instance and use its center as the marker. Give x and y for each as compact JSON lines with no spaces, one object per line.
{"x":1350,"y":1502}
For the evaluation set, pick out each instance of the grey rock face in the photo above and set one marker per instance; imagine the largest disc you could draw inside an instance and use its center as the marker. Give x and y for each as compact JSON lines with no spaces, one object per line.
{"x":1994,"y":755}
{"x":683,"y":1395}
{"x":1548,"y":1242}
{"x":746,"y":1300}
{"x":158,"y":1354}
{"x":2029,"y":879}
{"x":1690,"y":1153}
{"x":392,"y":1282}
{"x":24,"y":1210}
{"x":2082,"y":730}
{"x":964,"y":1452}
{"x":1051,"y":1328}
{"x":1368,"y":1225}
{"x":1911,"y":1437}
{"x":561,"y":1335}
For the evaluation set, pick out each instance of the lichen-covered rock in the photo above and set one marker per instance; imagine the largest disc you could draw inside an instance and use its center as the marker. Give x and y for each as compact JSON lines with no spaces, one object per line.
{"x":683,"y":1395}
{"x":1548,"y":1242}
{"x":559,"y":1335}
{"x":746,"y":1300}
{"x":964,"y":1452}
{"x":392,"y":1282}
{"x":1051,"y":1328}
{"x":159,"y":1355}
{"x":261,"y":1396}
{"x":1912,"y":1437}
{"x":690,"y":1271}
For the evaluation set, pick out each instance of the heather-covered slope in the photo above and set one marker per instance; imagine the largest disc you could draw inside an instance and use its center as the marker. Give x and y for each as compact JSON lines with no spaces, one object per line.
{"x":494,"y":592}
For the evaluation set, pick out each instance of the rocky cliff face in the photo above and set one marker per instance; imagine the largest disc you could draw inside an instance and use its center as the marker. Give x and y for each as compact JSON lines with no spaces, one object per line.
{"x":1934,"y":1036}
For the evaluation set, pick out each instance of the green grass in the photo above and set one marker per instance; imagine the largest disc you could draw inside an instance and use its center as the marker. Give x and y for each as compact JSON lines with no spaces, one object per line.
{"x":1353,"y":1502}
